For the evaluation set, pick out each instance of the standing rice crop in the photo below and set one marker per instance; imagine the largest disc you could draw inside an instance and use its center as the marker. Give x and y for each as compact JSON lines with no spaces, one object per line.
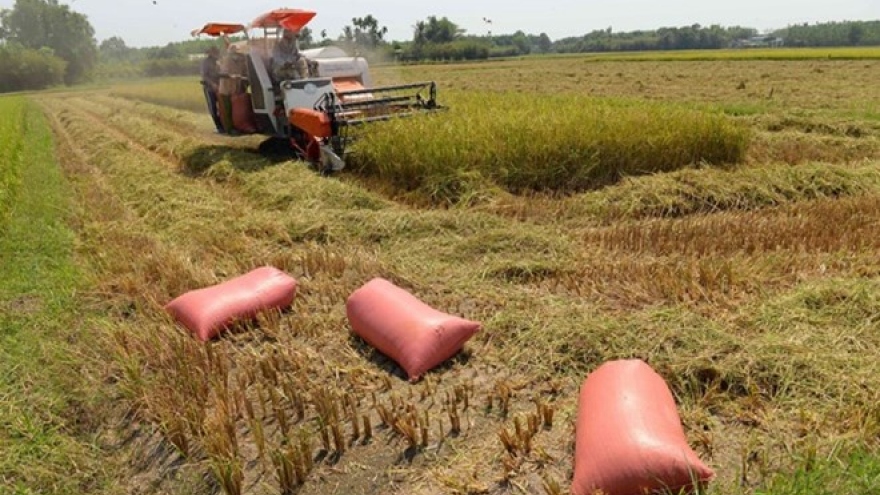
{"x":184,"y":93}
{"x":557,"y":143}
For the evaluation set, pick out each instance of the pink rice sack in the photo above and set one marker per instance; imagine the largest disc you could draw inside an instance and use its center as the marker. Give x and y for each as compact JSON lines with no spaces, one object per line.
{"x":629,"y":438}
{"x":206,"y":312}
{"x":415,"y":335}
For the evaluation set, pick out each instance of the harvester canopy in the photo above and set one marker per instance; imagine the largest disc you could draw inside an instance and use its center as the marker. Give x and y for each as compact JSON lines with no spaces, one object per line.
{"x":292,"y":19}
{"x":218,"y":29}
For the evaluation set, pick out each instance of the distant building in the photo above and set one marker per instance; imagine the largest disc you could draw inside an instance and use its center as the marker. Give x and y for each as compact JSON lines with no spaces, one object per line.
{"x":760,"y":42}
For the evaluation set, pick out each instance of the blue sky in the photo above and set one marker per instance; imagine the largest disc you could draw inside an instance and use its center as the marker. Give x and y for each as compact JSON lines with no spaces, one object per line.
{"x":143,"y":23}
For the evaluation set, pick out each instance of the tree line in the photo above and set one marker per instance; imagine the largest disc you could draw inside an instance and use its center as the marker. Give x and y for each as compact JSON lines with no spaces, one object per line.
{"x":865,"y":33}
{"x":696,"y":37}
{"x":669,"y":38}
{"x":44,"y":43}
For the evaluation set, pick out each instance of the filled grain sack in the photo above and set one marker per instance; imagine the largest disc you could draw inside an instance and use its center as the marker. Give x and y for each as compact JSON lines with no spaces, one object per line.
{"x":629,"y":438}
{"x":206,"y":312}
{"x":243,"y":118}
{"x":415,"y":335}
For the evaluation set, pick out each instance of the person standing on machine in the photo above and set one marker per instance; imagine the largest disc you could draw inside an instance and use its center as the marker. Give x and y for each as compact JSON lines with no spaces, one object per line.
{"x":232,"y":80}
{"x":210,"y":72}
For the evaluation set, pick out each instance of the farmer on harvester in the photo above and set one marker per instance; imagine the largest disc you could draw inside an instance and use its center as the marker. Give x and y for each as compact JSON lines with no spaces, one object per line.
{"x":211,"y":84}
{"x":233,"y":67}
{"x":287,"y":62}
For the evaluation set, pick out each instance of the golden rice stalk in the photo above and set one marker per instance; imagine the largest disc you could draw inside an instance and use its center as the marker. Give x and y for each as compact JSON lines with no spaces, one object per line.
{"x":368,"y":428}
{"x":228,"y":473}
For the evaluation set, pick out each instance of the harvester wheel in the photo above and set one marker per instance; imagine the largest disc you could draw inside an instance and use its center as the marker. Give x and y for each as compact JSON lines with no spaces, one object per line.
{"x":313,"y":150}
{"x":308,"y":148}
{"x":274,"y":147}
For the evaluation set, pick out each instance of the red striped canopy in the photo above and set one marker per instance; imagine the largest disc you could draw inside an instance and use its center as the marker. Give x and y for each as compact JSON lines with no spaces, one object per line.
{"x":293,"y":19}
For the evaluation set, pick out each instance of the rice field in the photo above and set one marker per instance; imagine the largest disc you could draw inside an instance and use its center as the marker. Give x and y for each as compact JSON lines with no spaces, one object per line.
{"x":10,"y":151}
{"x":748,"y":54}
{"x":558,"y":143}
{"x":732,"y":242}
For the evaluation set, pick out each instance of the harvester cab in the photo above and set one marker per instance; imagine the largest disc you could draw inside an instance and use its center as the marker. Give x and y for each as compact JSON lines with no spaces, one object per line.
{"x":313,"y":112}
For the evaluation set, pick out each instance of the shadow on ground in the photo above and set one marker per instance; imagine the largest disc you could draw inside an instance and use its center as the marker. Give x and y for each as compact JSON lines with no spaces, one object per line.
{"x":385,"y":363}
{"x":270,"y":152}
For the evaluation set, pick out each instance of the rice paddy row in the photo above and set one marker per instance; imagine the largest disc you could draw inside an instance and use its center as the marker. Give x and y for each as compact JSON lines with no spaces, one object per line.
{"x":561,"y":144}
{"x":50,"y":406}
{"x":11,"y":138}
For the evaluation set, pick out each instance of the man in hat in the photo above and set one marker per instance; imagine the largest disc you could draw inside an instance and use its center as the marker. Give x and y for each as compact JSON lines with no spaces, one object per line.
{"x":287,"y":62}
{"x":233,"y":67}
{"x":211,"y":84}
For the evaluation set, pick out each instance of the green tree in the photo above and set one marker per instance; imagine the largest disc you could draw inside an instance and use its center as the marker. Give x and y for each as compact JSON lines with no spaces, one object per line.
{"x":113,"y":48}
{"x":365,"y":32}
{"x":306,"y":38}
{"x":170,"y":51}
{"x":849,"y":33}
{"x":37,"y":24}
{"x":856,"y":33}
{"x":522,"y":43}
{"x":26,"y":69}
{"x":545,"y":44}
{"x":440,"y":30}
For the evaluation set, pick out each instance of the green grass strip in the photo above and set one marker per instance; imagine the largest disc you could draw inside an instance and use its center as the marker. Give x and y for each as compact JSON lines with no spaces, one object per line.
{"x":10,"y":153}
{"x":855,"y":474}
{"x":40,"y":451}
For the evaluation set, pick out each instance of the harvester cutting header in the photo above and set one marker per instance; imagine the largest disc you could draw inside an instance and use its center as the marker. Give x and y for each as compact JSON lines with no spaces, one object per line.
{"x":311,"y":97}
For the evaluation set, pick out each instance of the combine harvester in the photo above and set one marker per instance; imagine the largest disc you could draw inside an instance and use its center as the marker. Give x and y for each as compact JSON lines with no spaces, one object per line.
{"x":314,"y":114}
